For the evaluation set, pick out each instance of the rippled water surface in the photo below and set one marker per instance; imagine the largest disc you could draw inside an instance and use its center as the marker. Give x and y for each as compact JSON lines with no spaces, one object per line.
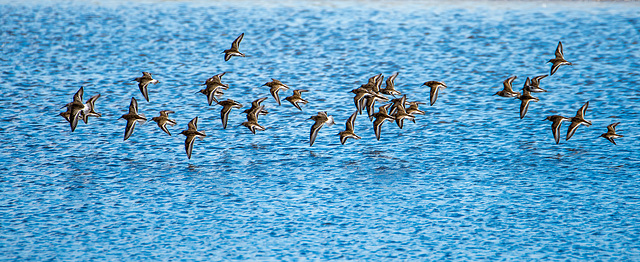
{"x":469,"y":180}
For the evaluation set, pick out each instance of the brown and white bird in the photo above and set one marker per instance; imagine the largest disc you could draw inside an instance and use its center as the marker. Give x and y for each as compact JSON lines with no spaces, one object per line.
{"x":234,"y":50}
{"x":191,"y":133}
{"x":275,"y":87}
{"x":227,"y":105}
{"x":143,"y":82}
{"x":379,"y":118}
{"x":320,"y":119}
{"x":435,"y":87}
{"x":90,"y":109}
{"x":74,"y":109}
{"x":556,"y":124}
{"x":390,"y":88}
{"x":401,"y":114}
{"x":252,"y":120}
{"x":559,"y":60}
{"x":163,"y":120}
{"x":507,"y":91}
{"x":255,"y":106}
{"x":297,"y":98}
{"x":348,"y":132}
{"x":525,"y":99}
{"x":578,"y":120}
{"x":611,"y":133}
{"x":132,"y":118}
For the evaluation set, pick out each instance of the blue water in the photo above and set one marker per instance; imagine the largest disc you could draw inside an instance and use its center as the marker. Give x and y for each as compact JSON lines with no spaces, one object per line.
{"x":468,"y":181}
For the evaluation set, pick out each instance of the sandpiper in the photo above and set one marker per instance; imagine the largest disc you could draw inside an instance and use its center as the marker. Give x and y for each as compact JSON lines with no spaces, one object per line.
{"x":255,"y":106}
{"x":90,"y":109}
{"x":275,"y":86}
{"x":143,"y":82}
{"x":217,"y":79}
{"x":320,"y":119}
{"x":413,"y":108}
{"x":535,"y":82}
{"x":297,"y":98}
{"x":191,"y":133}
{"x":611,"y":133}
{"x":252,"y":120}
{"x":559,"y":60}
{"x":348,"y":132}
{"x":227,"y":105}
{"x":526,"y":98}
{"x":371,"y":102}
{"x":132,"y":117}
{"x":507,"y":91}
{"x":555,"y":125}
{"x":435,"y":89}
{"x":74,"y":109}
{"x":532,"y":88}
{"x":380,"y":118}
{"x":212,"y":91}
{"x":578,"y":120}
{"x":402,"y":114}
{"x":233,"y":51}
{"x":373,"y":82}
{"x":390,"y":88}
{"x":163,"y":120}
{"x":358,"y":100}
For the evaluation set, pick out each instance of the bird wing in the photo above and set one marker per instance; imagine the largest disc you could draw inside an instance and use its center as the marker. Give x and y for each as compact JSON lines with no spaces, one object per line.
{"x":559,"y":51}
{"x":433,"y":94}
{"x":524,"y":106}
{"x":188,"y":145}
{"x":582,"y":110}
{"x":133,"y":106}
{"x":236,"y":43}
{"x":131,"y":125}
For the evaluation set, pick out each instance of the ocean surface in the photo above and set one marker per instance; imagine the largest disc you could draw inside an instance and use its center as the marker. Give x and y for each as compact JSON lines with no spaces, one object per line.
{"x":469,"y":180}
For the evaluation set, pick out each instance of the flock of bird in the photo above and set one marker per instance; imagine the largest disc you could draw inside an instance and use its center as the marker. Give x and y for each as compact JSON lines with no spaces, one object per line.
{"x":397,"y":109}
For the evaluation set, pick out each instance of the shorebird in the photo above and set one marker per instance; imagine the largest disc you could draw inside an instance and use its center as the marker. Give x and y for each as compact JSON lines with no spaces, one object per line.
{"x":400,"y":115}
{"x":297,"y":98}
{"x":90,"y":107}
{"x":348,"y":132}
{"x":275,"y":86}
{"x":233,"y":51}
{"x":373,"y":84}
{"x":578,"y":120}
{"x":212,"y":91}
{"x":526,"y":98}
{"x":535,"y":82}
{"x":611,"y":133}
{"x":507,"y":91}
{"x":255,"y":106}
{"x":435,"y":89}
{"x":555,"y":125}
{"x":132,"y":117}
{"x":216,"y":79}
{"x":74,"y":109}
{"x":390,"y":88}
{"x":361,"y":93}
{"x":191,"y":133}
{"x":143,"y":82}
{"x":380,"y":117}
{"x":532,"y":88}
{"x":320,"y":119}
{"x":227,"y":105}
{"x":163,"y":120}
{"x":559,"y":60}
{"x":371,"y":102}
{"x":413,"y":108}
{"x":252,"y":120}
